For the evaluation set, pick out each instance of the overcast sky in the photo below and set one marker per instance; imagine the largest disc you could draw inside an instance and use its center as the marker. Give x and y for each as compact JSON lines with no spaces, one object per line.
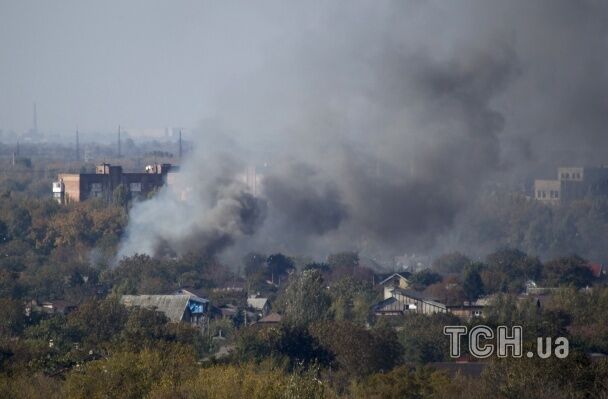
{"x":96,"y":64}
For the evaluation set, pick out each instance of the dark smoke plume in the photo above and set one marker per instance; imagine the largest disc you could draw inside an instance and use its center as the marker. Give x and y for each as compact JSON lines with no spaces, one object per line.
{"x":379,"y":123}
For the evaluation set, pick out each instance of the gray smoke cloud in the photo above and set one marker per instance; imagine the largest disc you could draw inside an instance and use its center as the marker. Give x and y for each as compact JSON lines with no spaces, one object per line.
{"x":379,"y":123}
{"x":204,"y":209}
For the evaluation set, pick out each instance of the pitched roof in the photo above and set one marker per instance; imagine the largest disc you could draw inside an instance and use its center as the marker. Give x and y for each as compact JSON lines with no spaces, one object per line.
{"x":194,"y":293}
{"x":257,"y":303}
{"x":271,"y":318}
{"x":419,"y":296}
{"x":391,"y":277}
{"x":389,"y":305}
{"x":173,"y":306}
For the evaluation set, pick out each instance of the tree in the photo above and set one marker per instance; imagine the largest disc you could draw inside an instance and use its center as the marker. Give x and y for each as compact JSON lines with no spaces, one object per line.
{"x":132,"y":375}
{"x":422,"y":337}
{"x":343,"y":260}
{"x":511,"y":268}
{"x":567,"y":270}
{"x":4,"y":232}
{"x":99,"y":321}
{"x":305,"y":299}
{"x":454,"y":262}
{"x":254,"y":262}
{"x":289,"y":346}
{"x":351,"y":299}
{"x":405,"y":383}
{"x":278,"y":265}
{"x":359,"y":352}
{"x":572,"y":377}
{"x":20,"y":222}
{"x":472,"y":284}
{"x":422,"y":279}
{"x":121,"y":196}
{"x":12,"y":317}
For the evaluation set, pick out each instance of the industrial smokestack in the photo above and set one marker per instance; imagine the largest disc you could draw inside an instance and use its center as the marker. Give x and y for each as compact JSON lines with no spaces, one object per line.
{"x":180,"y":144}
{"x":35,"y":127}
{"x":119,"y":152}
{"x":77,"y":146}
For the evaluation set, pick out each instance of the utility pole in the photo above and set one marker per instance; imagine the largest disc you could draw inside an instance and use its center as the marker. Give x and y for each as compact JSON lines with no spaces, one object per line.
{"x":180,"y":144}
{"x":77,"y":146}
{"x":35,"y":120}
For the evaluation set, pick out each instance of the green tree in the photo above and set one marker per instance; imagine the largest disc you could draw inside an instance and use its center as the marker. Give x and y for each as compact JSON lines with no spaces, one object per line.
{"x":121,"y":196}
{"x":278,"y":265}
{"x":343,"y":260}
{"x":567,"y":270}
{"x":472,"y":284}
{"x":422,"y":279}
{"x":12,"y":317}
{"x":422,"y":337}
{"x":20,"y":222}
{"x":508,"y":269}
{"x":454,"y":262}
{"x":305,"y":298}
{"x":358,"y":351}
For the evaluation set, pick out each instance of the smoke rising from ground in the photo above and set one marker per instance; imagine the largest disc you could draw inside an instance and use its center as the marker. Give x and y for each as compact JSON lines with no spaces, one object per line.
{"x":381,"y":122}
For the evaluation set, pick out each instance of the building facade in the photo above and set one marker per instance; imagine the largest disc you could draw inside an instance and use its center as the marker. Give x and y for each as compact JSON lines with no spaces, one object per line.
{"x":77,"y":187}
{"x":572,"y":183}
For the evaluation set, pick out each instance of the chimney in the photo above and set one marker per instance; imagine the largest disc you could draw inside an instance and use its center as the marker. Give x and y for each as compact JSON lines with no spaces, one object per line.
{"x":119,"y":152}
{"x":180,"y":144}
{"x":35,"y":119}
{"x":77,"y":146}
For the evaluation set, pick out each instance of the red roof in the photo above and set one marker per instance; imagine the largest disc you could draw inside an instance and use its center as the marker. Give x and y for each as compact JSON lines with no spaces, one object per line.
{"x":596,"y":269}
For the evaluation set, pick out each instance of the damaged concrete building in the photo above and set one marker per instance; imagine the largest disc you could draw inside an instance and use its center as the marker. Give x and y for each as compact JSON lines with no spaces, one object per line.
{"x":77,"y":187}
{"x":572,"y":183}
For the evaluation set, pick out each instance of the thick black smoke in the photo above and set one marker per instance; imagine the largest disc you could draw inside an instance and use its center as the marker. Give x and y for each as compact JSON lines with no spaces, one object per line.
{"x":380,"y":122}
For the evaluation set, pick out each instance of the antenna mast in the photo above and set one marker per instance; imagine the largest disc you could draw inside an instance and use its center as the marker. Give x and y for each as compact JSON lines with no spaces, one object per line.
{"x":180,"y":144}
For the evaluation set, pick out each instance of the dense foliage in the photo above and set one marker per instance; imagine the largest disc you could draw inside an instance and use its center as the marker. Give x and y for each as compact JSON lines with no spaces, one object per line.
{"x":329,"y":343}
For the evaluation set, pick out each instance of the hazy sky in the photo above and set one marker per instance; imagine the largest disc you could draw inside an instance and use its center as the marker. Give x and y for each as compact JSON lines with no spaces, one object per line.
{"x":138,"y":63}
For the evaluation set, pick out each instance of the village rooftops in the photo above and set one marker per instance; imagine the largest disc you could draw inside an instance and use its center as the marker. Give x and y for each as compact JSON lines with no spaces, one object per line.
{"x":175,"y":307}
{"x":257,"y":303}
{"x":394,"y":278}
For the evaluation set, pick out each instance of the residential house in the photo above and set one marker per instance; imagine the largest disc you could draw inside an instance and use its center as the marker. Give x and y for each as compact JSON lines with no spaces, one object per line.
{"x":178,"y":308}
{"x":391,"y":307}
{"x":270,"y":320}
{"x":421,"y":304}
{"x":52,"y":307}
{"x":403,"y":301}
{"x":259,"y":304}
{"x":395,"y":280}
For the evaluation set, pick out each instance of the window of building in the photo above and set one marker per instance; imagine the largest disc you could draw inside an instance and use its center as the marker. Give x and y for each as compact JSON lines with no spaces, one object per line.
{"x":135,"y":187}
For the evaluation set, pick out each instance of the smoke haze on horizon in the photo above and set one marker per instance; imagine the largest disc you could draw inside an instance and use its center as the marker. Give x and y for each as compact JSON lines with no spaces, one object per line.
{"x":381,"y":122}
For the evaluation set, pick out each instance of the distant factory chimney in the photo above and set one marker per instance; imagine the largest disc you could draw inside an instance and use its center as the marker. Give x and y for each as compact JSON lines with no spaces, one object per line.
{"x":77,"y":146}
{"x":35,"y":128}
{"x":119,"y":152}
{"x":180,"y":143}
